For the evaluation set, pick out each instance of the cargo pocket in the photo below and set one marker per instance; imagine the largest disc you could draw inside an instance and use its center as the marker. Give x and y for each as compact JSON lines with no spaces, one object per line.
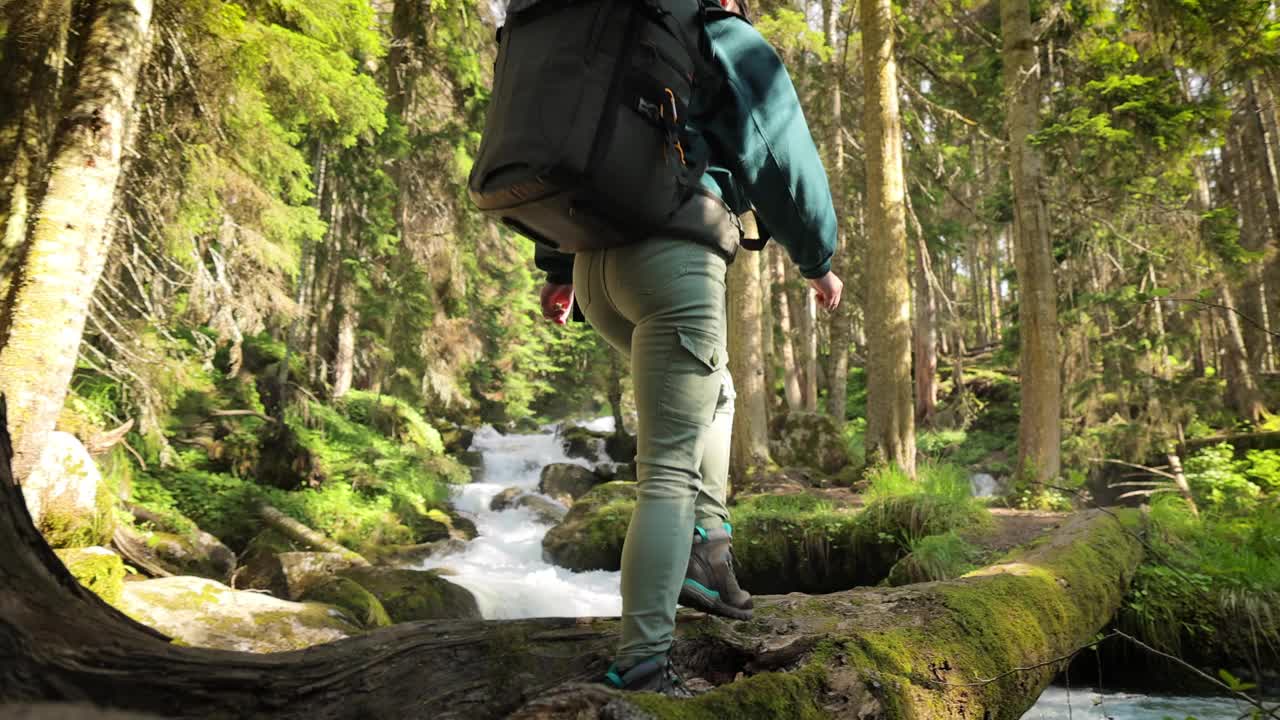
{"x":692,"y":388}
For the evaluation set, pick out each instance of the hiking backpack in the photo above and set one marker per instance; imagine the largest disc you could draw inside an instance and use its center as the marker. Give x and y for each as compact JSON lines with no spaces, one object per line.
{"x":584,"y":142}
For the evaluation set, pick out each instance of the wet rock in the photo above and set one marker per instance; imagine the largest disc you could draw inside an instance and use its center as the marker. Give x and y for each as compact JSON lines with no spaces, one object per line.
{"x":545,"y":511}
{"x":566,"y":480}
{"x":98,"y":569}
{"x":206,"y":613}
{"x":621,"y":447}
{"x":350,"y":596}
{"x":506,"y":499}
{"x":412,"y":555}
{"x":809,"y":440}
{"x":289,"y":575}
{"x":591,"y":535}
{"x":409,"y":595}
{"x":579,"y":442}
{"x":434,"y":524}
{"x":473,"y":461}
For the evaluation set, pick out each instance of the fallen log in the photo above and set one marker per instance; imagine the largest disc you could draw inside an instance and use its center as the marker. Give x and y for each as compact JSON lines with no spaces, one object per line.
{"x":300,"y":533}
{"x":919,"y":651}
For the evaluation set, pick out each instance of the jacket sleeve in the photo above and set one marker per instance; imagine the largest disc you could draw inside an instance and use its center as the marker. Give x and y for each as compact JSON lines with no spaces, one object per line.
{"x":760,"y":132}
{"x":557,"y":265}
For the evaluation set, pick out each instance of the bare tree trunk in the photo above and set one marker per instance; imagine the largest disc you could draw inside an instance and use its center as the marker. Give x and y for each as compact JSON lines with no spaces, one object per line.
{"x":42,"y":322}
{"x":1039,"y":426}
{"x":842,"y":318}
{"x":804,"y":319}
{"x":790,"y":369}
{"x":750,"y":449}
{"x":1241,"y":161}
{"x":993,"y":283}
{"x":891,"y":433}
{"x":926,"y":336}
{"x":768,"y":327}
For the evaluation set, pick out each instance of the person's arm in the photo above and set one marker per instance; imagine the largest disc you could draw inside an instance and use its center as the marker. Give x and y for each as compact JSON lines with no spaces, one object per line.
{"x":759,"y":130}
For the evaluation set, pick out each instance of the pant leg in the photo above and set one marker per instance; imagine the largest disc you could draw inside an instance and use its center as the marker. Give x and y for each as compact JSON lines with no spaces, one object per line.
{"x":710,"y":509}
{"x":672,"y":291}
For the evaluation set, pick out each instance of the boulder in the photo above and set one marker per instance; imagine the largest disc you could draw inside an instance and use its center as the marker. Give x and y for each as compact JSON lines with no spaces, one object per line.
{"x":433,"y":525}
{"x":98,"y":569}
{"x":414,"y":555}
{"x":810,"y":440}
{"x":506,"y":499}
{"x":195,"y":553}
{"x":290,"y":574}
{"x":545,"y":511}
{"x":621,"y":447}
{"x":567,"y":482}
{"x":580,"y":442}
{"x":206,"y":613}
{"x":473,"y":461}
{"x":591,"y":535}
{"x":410,"y":595}
{"x":358,"y":603}
{"x":63,"y":495}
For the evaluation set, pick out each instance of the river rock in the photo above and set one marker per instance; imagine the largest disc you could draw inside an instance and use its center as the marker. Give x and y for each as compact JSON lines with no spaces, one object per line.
{"x":413,"y":555}
{"x":544,"y":511}
{"x":621,"y":447}
{"x":98,"y":569}
{"x":358,"y":603}
{"x":506,"y":499}
{"x":810,"y":440}
{"x":434,"y":525}
{"x":62,"y":494}
{"x":410,"y":595}
{"x":206,"y":613}
{"x":591,"y":535}
{"x":579,"y":442}
{"x":567,"y":482}
{"x":290,"y":574}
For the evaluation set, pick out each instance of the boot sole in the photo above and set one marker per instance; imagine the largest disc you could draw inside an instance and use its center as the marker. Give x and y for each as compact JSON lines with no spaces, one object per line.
{"x":692,"y":597}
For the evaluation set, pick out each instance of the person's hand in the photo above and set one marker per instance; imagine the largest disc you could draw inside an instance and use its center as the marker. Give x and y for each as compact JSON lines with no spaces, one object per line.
{"x":557,"y":302}
{"x":828,"y":288}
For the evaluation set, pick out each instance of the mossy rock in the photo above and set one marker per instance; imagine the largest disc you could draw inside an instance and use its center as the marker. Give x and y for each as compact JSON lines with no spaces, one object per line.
{"x":98,"y":569}
{"x":567,"y":482}
{"x":290,"y":575}
{"x":352,"y":597}
{"x":590,"y":537}
{"x":268,"y":542}
{"x":506,"y":499}
{"x":808,"y":440}
{"x":621,"y":448}
{"x":411,"y":595}
{"x":206,"y":613}
{"x":579,"y":442}
{"x":67,"y":497}
{"x":433,"y":524}
{"x":413,"y":555}
{"x":544,"y":511}
{"x":196,"y":553}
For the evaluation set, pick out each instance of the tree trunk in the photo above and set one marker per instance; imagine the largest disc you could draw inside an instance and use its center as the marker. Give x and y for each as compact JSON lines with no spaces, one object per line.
{"x":1242,"y":388}
{"x":842,"y":318}
{"x":890,"y":411}
{"x":853,"y":654}
{"x":41,"y":324}
{"x":30,"y":93}
{"x":749,"y":452}
{"x":790,"y":369}
{"x":1241,"y":161}
{"x":995,"y":309}
{"x":926,"y":337}
{"x":804,"y":319}
{"x":1039,"y":426}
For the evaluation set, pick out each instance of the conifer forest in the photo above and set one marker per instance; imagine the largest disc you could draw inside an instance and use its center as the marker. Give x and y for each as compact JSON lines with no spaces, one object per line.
{"x":287,"y":435}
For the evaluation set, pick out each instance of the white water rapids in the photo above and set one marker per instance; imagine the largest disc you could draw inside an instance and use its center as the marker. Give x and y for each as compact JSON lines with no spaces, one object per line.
{"x":503,"y":567}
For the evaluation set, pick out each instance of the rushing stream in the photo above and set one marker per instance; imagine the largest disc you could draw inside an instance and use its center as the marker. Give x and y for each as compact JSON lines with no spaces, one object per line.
{"x":504,"y":569}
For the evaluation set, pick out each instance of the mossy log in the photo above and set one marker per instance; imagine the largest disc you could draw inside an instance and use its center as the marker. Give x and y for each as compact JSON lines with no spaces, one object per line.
{"x":871,"y":653}
{"x":300,"y":533}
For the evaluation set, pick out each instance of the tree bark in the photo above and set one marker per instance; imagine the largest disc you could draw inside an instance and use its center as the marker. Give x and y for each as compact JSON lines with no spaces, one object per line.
{"x":842,"y":318}
{"x":855,"y":654}
{"x":42,"y":322}
{"x":790,"y":369}
{"x":1039,"y":425}
{"x":1241,"y":161}
{"x":926,"y":336}
{"x":890,"y":411}
{"x":749,"y":452}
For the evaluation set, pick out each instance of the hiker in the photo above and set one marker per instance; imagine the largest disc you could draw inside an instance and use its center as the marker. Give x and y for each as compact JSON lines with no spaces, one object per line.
{"x":660,"y":299}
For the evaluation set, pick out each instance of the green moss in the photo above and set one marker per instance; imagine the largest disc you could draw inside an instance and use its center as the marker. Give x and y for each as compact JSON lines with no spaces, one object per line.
{"x":352,"y":597}
{"x":591,"y":535}
{"x":98,"y":570}
{"x":72,"y":528}
{"x":411,"y":595}
{"x":775,"y":695}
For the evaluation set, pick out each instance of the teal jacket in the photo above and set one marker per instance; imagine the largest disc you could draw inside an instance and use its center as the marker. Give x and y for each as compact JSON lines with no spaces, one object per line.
{"x":751,"y":131}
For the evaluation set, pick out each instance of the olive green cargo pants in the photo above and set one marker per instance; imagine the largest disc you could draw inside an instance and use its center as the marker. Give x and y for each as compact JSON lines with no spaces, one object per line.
{"x":661,"y":303}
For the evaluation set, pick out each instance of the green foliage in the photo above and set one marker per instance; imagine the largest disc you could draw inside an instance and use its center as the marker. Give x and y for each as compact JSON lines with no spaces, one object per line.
{"x":907,"y":510}
{"x":1222,"y":484}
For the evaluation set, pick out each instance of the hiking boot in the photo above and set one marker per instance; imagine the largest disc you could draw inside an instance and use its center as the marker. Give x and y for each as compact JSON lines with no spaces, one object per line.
{"x":653,"y":675}
{"x":709,"y":583}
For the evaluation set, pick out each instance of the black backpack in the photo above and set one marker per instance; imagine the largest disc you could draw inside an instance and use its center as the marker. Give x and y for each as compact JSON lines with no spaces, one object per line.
{"x":583,"y":146}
